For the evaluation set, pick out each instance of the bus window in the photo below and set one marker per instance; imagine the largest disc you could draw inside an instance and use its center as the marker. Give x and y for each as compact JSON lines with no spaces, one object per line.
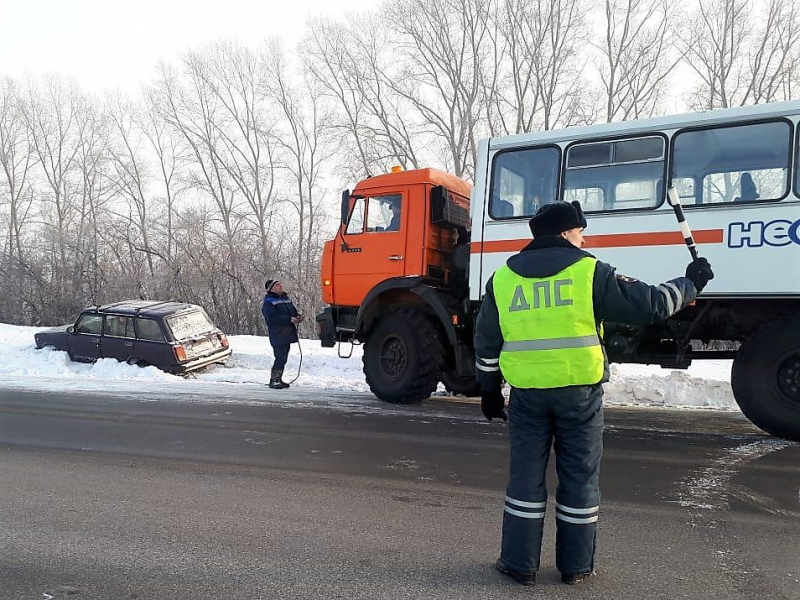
{"x":636,"y":194}
{"x":737,"y":163}
{"x":523,"y":181}
{"x":616,"y":175}
{"x":590,"y":198}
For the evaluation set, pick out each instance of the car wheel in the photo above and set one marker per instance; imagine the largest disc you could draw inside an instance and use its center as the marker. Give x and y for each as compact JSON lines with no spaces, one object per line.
{"x":137,"y":362}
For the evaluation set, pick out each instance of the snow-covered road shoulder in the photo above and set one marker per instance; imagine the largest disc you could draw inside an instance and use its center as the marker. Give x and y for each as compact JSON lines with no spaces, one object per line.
{"x":706,"y":385}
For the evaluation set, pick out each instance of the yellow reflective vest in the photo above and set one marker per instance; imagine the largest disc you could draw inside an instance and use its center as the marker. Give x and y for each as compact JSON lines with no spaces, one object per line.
{"x":550,"y":336}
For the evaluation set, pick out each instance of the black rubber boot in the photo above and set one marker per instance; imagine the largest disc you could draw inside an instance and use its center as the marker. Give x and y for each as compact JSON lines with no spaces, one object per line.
{"x":275,"y":380}
{"x":576,"y":578}
{"x":280,"y":379}
{"x":521,"y":578}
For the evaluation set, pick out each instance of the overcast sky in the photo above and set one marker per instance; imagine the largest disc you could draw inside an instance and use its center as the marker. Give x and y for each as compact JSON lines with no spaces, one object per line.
{"x":111,"y":43}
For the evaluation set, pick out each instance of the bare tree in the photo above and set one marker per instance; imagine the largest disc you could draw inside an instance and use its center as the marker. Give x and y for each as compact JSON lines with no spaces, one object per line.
{"x":303,"y":142}
{"x":193,"y":110}
{"x":715,"y":47}
{"x":637,"y":56}
{"x":170,"y":158}
{"x":356,"y":71}
{"x":52,"y":115}
{"x":443,"y":46}
{"x":235,"y":76}
{"x":16,"y":159}
{"x":92,"y":192}
{"x":774,"y":58}
{"x":742,"y":53}
{"x":130,"y":177}
{"x":542,"y":46}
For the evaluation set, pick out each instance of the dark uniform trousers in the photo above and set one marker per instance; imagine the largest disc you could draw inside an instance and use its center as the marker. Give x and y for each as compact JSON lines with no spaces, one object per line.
{"x":281,"y":353}
{"x":571,"y":420}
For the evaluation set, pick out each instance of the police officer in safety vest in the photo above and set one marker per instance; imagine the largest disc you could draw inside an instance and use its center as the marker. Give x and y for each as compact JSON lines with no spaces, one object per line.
{"x":540,"y":329}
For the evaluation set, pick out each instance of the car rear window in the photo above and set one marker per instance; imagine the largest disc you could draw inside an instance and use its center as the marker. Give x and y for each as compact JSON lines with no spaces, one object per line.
{"x":190,"y":324}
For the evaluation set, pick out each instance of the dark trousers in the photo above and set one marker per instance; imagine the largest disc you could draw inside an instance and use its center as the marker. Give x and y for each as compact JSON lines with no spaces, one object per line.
{"x":571,"y":421}
{"x":281,"y":355}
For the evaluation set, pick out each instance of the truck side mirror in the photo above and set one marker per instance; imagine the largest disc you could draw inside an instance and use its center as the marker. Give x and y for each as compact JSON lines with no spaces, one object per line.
{"x":71,"y":329}
{"x":345,"y":206}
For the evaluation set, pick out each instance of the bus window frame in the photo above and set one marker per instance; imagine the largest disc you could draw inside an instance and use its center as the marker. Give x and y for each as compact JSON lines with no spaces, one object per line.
{"x":795,"y":187}
{"x":558,"y":196}
{"x":616,"y":138}
{"x":793,"y":128}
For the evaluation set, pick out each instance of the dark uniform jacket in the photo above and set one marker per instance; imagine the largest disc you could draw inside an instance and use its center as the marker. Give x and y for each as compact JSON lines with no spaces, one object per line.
{"x":616,"y":298}
{"x":278,"y":312}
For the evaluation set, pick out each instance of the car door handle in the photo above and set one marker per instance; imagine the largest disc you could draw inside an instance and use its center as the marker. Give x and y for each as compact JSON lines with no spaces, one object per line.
{"x":396,"y":257}
{"x":128,"y":344}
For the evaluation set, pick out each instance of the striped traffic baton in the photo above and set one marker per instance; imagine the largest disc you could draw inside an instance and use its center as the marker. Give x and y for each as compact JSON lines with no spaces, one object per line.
{"x":675,"y":202}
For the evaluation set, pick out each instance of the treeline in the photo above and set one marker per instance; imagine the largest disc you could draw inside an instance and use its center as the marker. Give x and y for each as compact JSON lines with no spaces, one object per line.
{"x":226,"y":168}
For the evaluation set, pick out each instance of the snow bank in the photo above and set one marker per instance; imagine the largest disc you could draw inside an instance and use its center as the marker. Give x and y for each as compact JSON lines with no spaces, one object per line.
{"x":705,"y":385}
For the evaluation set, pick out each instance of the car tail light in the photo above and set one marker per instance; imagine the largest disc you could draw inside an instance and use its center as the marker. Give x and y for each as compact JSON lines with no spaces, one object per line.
{"x":223,"y":339}
{"x":180,"y":353}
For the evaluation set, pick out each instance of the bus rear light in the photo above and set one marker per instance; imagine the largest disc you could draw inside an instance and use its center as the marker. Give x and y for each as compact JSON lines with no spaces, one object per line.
{"x":180,"y":353}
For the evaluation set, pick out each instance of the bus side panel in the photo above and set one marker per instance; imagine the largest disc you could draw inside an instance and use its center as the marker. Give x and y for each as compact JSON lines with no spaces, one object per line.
{"x":750,"y":248}
{"x":479,"y":215}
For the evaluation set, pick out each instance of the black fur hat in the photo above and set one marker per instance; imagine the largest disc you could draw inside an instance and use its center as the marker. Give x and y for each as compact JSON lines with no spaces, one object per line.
{"x":553,"y":218}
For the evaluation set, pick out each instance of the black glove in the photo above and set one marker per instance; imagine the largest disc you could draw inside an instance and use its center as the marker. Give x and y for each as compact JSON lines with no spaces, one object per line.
{"x":493,"y":405}
{"x":699,"y":273}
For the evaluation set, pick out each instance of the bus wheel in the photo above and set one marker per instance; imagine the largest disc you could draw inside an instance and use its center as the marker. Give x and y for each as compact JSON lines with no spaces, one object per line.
{"x":459,"y":384}
{"x":403,"y":355}
{"x":766,"y":378}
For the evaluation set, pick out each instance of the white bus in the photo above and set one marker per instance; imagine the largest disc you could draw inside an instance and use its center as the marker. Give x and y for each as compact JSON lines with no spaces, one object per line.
{"x":737,"y":172}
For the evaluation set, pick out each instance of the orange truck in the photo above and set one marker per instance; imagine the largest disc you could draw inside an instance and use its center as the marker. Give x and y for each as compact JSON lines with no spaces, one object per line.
{"x":396,"y":279}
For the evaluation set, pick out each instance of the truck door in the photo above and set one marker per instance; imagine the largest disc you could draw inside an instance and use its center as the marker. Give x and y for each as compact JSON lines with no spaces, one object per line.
{"x":374,"y":247}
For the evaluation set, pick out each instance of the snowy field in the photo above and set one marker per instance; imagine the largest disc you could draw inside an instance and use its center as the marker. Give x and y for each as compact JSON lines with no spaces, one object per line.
{"x":324,"y":378}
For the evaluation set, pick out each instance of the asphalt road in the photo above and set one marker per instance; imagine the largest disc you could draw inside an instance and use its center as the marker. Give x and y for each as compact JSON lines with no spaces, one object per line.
{"x":112,"y":498}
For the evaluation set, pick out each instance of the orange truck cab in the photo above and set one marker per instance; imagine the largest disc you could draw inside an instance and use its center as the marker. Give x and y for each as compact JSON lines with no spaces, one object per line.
{"x":396,"y":279}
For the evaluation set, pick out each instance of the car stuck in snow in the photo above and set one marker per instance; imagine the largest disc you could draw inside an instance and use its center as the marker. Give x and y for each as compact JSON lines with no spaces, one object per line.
{"x":175,"y":337}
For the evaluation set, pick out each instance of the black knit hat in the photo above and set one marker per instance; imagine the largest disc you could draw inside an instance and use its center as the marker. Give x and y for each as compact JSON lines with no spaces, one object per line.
{"x":270,"y":284}
{"x":553,"y":218}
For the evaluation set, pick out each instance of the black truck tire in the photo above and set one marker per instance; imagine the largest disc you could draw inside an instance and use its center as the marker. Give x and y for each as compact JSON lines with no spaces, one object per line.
{"x":403,"y":356}
{"x":459,"y":384}
{"x":766,"y":378}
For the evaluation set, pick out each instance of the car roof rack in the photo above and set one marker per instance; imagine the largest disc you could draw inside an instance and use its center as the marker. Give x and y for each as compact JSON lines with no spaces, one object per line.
{"x":151,"y":306}
{"x":106,"y":307}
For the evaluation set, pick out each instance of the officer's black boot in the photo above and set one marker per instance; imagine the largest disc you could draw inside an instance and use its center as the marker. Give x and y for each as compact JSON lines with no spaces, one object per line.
{"x":521,"y":578}
{"x":280,"y":379}
{"x":275,"y":380}
{"x":575,"y":578}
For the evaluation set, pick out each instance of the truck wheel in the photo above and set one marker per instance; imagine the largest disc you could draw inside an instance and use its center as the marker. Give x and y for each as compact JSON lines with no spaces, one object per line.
{"x":766,"y":378}
{"x":458,"y":384}
{"x":402,"y":357}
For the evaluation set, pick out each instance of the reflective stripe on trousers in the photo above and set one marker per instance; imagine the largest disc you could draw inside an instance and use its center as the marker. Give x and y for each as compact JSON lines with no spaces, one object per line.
{"x":570,"y":420}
